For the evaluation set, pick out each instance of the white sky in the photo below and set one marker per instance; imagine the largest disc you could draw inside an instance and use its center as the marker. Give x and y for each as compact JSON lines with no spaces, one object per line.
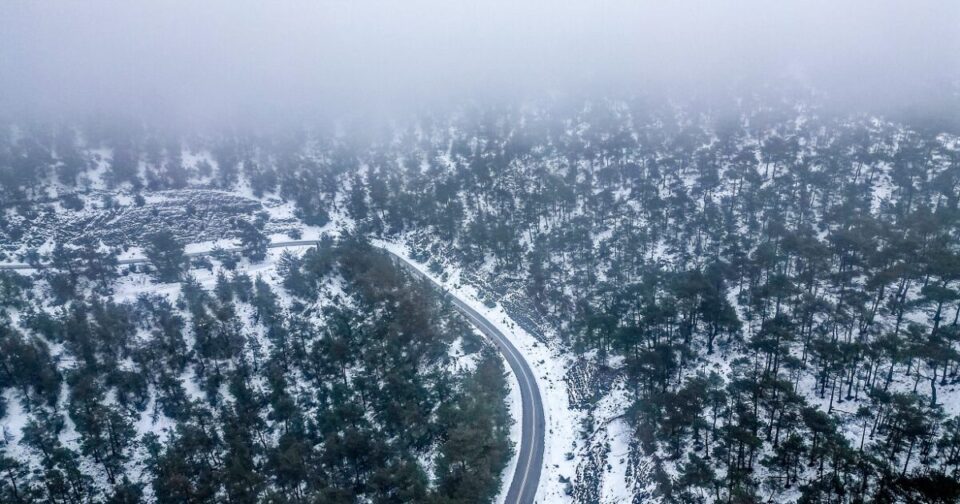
{"x":216,"y":58}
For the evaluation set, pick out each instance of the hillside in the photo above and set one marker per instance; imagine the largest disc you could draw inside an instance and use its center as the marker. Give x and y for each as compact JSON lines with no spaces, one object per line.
{"x":312,"y":374}
{"x":754,"y":303}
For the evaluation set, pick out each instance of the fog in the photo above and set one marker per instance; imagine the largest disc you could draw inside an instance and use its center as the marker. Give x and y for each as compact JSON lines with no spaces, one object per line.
{"x":232,"y":60}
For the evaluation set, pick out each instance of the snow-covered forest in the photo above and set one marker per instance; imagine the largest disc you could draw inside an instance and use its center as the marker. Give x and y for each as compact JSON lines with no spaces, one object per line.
{"x":750,"y":305}
{"x":497,"y":251}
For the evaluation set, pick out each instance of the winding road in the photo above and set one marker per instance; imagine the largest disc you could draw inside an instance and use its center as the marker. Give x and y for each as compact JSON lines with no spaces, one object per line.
{"x":526,"y":477}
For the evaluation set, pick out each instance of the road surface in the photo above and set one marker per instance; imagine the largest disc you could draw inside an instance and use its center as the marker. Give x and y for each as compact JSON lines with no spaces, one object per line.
{"x":526,"y":478}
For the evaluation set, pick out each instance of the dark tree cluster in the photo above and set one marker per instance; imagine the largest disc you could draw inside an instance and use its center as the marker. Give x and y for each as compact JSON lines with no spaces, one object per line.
{"x":226,"y":393}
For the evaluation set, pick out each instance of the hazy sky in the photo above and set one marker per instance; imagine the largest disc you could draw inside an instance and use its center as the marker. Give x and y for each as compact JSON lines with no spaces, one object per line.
{"x":225,"y":58}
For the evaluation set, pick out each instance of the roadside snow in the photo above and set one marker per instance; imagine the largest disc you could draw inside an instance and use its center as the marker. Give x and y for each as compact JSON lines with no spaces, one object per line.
{"x":515,"y":409}
{"x":615,"y":487}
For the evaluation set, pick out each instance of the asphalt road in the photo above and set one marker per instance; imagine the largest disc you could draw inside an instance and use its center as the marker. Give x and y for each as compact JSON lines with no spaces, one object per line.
{"x":526,"y":478}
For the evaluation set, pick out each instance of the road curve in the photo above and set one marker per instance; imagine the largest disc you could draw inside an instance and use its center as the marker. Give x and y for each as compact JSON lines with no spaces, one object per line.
{"x":526,"y":478}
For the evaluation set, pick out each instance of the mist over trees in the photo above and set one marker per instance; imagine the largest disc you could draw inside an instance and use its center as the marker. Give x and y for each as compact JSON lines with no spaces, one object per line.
{"x":778,"y":288}
{"x":216,"y":64}
{"x":740,"y":222}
